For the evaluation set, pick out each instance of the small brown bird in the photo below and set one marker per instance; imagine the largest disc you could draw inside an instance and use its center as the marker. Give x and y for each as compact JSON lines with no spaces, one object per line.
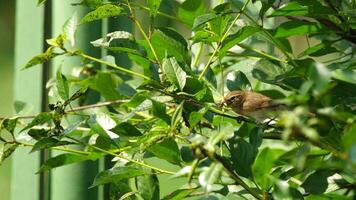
{"x":252,"y":104}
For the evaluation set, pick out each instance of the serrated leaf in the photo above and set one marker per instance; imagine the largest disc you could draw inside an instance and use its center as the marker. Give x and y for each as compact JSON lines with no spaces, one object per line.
{"x":61,"y":160}
{"x":238,"y":37}
{"x":116,"y":174}
{"x":62,"y":85}
{"x":69,"y":29}
{"x":174,"y":73}
{"x":167,"y":150}
{"x":108,"y":10}
{"x":41,"y":58}
{"x":39,"y":119}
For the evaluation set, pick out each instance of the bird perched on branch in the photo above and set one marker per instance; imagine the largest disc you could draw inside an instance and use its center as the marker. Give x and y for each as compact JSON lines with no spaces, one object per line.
{"x":253,"y":104}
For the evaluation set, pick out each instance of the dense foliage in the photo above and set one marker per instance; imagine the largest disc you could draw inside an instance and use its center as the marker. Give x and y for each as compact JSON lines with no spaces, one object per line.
{"x":162,"y":115}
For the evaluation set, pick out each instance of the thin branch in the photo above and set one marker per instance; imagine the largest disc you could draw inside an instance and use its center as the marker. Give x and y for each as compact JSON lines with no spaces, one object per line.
{"x":230,"y":171}
{"x":222,"y":39}
{"x":121,"y":157}
{"x":79,"y":108}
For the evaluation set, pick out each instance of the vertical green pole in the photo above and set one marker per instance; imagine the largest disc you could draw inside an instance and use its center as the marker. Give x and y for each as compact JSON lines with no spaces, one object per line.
{"x":72,"y":182}
{"x":28,"y":84}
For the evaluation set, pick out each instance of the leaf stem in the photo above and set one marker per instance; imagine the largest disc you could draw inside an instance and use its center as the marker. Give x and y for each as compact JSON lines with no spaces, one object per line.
{"x":139,"y":26}
{"x":222,"y":39}
{"x":122,"y":157}
{"x":197,"y":56}
{"x":230,"y":171}
{"x":113,"y":65}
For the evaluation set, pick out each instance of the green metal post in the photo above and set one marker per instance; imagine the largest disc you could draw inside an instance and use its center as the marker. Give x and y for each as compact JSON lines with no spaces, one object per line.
{"x":28,"y":84}
{"x":72,"y":182}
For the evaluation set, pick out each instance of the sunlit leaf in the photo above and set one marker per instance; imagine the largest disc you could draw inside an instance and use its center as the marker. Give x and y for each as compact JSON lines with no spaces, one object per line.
{"x":167,"y":150}
{"x":108,"y":10}
{"x":116,"y":174}
{"x":175,"y":74}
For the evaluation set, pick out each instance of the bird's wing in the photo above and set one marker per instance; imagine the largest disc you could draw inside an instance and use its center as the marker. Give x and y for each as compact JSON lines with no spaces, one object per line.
{"x":255,"y":101}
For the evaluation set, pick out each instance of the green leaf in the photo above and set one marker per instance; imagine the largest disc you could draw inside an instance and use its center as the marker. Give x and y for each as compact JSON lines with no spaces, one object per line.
{"x":116,"y":174}
{"x":178,"y":194}
{"x":108,"y":10}
{"x":167,"y":150}
{"x":47,"y":143}
{"x":210,"y":176}
{"x":345,"y":75}
{"x":61,"y":160}
{"x":174,"y":73}
{"x":319,"y":50}
{"x":237,"y":37}
{"x":195,"y":117}
{"x":242,"y":156}
{"x":302,"y":8}
{"x":107,"y":84}
{"x":202,"y":19}
{"x":39,"y":119}
{"x":9,"y":125}
{"x":295,"y":27}
{"x":154,"y":6}
{"x":19,"y":106}
{"x":38,"y":134}
{"x":148,"y":187}
{"x":70,"y":29}
{"x":6,"y":152}
{"x":177,"y":115}
{"x":62,"y":85}
{"x":263,"y":166}
{"x":41,"y":2}
{"x":98,"y":129}
{"x":238,"y":81}
{"x":189,"y":10}
{"x":270,"y":72}
{"x":167,"y":42}
{"x":159,"y":110}
{"x":198,"y":89}
{"x":126,"y":129}
{"x":41,"y":58}
{"x":317,"y":182}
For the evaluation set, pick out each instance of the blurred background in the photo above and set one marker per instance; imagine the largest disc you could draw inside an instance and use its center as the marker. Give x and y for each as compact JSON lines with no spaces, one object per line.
{"x":7,"y":33}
